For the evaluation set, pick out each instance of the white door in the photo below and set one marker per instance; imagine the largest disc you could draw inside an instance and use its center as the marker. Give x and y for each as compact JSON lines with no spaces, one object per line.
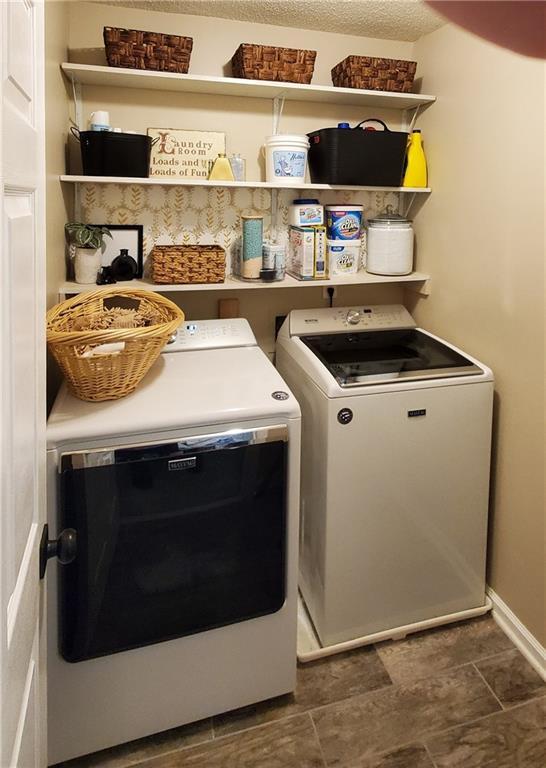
{"x":22,"y":383}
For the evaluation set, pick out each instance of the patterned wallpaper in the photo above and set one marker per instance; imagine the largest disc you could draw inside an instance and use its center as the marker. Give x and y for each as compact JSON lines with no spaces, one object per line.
{"x":193,"y":214}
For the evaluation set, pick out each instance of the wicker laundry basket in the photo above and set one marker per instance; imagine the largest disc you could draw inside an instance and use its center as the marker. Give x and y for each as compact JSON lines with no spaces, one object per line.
{"x":137,"y":49}
{"x":266,"y":62}
{"x":374,"y":74}
{"x":99,"y":373}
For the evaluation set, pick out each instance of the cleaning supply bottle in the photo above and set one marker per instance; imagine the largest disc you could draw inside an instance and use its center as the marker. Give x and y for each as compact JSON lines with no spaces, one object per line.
{"x":416,"y":169}
{"x":221,"y":170}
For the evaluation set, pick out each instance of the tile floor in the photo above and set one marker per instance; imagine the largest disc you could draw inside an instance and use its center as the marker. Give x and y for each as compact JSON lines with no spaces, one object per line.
{"x":456,"y":697}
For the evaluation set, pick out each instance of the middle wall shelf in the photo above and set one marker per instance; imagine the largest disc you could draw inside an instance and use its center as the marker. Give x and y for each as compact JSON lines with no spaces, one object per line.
{"x":233,"y":284}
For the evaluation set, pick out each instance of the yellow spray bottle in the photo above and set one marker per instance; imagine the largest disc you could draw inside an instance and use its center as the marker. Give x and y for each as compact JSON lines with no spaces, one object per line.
{"x":416,"y":169}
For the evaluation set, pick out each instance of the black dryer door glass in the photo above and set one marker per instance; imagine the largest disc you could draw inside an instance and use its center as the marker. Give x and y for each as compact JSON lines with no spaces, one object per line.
{"x":172,"y":540}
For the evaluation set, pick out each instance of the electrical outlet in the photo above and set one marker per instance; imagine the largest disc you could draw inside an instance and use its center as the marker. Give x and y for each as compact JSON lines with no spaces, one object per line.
{"x":326,"y":295}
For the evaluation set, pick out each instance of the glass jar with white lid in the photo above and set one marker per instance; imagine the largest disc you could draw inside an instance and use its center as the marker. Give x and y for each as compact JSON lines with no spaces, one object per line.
{"x":389,"y":244}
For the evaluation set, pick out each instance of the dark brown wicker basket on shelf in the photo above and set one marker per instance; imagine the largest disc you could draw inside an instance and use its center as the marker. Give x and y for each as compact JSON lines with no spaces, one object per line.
{"x":188,"y":264}
{"x":265,"y":62}
{"x":372,"y":73}
{"x":135,"y":49}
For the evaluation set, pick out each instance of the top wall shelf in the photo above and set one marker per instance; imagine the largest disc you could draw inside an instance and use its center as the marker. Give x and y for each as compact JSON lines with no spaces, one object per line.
{"x":88,"y":74}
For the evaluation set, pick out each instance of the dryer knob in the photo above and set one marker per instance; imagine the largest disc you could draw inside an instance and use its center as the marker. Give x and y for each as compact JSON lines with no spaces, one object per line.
{"x":353,"y":317}
{"x":345,"y":416}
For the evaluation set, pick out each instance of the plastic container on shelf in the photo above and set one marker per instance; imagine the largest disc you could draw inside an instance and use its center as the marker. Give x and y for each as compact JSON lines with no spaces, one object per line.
{"x":343,"y":257}
{"x":416,"y":170}
{"x":344,"y":222}
{"x":305,"y":211}
{"x":251,"y":247}
{"x":357,"y":156}
{"x":105,"y":153}
{"x":286,"y":158}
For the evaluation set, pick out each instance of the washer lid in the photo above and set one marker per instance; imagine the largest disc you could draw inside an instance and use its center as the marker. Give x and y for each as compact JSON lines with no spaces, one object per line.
{"x":371,"y":357}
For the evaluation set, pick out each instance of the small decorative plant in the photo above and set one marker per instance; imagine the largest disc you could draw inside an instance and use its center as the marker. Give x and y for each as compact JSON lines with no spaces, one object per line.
{"x":87,"y":235}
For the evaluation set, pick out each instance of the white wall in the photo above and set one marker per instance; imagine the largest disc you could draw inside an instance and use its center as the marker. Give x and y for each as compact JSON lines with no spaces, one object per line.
{"x":481,"y":235}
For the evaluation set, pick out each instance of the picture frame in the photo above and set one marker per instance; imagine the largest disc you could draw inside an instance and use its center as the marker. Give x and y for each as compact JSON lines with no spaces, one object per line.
{"x":130,"y":236}
{"x":182,"y":153}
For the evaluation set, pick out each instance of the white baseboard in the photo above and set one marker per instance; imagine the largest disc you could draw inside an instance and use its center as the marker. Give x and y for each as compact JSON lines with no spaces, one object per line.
{"x":518,"y":633}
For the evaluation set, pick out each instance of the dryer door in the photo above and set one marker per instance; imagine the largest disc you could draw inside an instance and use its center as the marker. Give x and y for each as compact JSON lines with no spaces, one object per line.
{"x":172,"y":539}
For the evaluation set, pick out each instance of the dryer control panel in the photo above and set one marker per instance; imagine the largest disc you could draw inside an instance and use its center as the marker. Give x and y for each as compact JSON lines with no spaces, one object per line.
{"x":212,"y":334}
{"x":374,"y":317}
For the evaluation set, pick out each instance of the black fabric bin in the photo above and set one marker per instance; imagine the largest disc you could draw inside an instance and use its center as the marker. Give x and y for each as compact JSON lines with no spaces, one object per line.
{"x":355,"y":156}
{"x":105,"y":153}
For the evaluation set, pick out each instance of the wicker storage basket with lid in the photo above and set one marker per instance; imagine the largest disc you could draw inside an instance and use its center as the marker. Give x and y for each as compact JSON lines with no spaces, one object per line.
{"x":266,"y":62}
{"x":76,"y":332}
{"x":374,"y":74}
{"x":137,"y":49}
{"x":178,"y":264}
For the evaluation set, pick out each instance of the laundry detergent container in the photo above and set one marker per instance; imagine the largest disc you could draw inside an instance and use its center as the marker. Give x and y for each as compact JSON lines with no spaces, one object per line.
{"x":105,"y":153}
{"x":357,"y":156}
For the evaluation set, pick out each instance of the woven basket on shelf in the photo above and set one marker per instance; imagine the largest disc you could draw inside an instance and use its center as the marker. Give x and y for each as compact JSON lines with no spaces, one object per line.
{"x":374,"y":74}
{"x":115,"y":374}
{"x":188,"y":264}
{"x":136,"y":49}
{"x":265,"y":62}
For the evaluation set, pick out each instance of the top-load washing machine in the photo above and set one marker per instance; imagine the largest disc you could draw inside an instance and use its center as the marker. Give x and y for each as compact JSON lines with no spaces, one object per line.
{"x":396,"y":437}
{"x":181,"y":600}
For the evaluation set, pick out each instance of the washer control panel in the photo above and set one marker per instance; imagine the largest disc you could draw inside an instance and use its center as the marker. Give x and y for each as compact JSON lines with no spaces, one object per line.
{"x":211,"y":334}
{"x":376,"y":317}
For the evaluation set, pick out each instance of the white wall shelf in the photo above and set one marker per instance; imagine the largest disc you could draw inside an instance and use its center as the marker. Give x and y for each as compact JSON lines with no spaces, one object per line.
{"x":88,"y":74}
{"x":170,"y":182}
{"x":233,"y":284}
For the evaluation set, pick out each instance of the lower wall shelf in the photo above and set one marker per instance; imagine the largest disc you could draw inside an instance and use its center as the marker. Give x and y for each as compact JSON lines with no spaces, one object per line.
{"x":233,"y":284}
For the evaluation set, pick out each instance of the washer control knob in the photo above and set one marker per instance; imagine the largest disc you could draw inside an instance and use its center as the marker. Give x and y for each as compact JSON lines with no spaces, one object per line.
{"x":280,"y":395}
{"x":345,"y":416}
{"x":353,"y":317}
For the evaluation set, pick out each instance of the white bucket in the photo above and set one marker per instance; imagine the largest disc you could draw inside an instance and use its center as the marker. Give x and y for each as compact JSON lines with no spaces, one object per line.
{"x":286,"y":158}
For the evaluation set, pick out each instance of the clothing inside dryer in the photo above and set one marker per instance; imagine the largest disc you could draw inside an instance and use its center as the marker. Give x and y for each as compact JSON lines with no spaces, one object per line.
{"x":370,"y":356}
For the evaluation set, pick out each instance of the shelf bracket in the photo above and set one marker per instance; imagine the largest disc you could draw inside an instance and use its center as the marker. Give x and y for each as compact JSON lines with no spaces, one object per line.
{"x":407,"y":207}
{"x":278,"y":105}
{"x":420,"y":289}
{"x":78,"y":105}
{"x":409,"y":118}
{"x":274,"y":215}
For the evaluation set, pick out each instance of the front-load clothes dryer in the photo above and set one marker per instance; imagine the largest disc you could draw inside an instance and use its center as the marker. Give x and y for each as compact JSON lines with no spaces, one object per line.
{"x":396,"y":438}
{"x":181,"y":600}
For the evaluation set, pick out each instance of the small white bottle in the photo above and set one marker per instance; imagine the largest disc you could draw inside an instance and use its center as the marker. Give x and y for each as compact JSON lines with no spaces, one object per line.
{"x":99,"y":121}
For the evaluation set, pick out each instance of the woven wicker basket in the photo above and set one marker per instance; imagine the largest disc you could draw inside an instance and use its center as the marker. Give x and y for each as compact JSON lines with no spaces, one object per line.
{"x":188,"y":264}
{"x":135,"y":49}
{"x":265,"y":62}
{"x":114,"y":375}
{"x":374,"y":74}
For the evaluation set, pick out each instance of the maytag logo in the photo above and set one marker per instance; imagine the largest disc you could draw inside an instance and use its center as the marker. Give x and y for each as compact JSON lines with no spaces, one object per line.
{"x":189,"y":463}
{"x":418,"y":412}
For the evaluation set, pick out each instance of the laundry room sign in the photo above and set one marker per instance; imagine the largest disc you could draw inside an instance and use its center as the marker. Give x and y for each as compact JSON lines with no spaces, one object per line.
{"x":177,"y":153}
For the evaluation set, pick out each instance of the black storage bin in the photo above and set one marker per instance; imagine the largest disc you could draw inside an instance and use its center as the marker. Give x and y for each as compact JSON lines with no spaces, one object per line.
{"x":105,"y":153}
{"x":359,"y":157}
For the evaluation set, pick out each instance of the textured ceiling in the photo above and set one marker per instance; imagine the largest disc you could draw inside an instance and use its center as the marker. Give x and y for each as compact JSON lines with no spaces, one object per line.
{"x":387,"y":19}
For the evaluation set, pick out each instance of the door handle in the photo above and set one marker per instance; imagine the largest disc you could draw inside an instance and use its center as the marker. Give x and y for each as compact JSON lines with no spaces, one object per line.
{"x":65,"y":548}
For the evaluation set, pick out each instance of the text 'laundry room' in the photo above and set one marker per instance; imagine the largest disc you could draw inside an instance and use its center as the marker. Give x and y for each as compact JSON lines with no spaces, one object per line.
{"x":272,"y":384}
